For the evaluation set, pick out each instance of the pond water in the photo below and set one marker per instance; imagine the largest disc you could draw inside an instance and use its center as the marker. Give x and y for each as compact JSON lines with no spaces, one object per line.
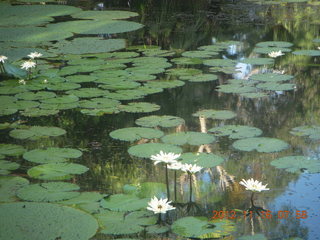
{"x":214,"y":57}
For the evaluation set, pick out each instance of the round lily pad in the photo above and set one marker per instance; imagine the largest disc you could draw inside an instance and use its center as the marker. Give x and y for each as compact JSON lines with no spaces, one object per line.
{"x":260,"y":144}
{"x":88,"y":92}
{"x":192,"y":138}
{"x":9,"y":186}
{"x":313,"y":53}
{"x":160,"y":121}
{"x":123,"y":202}
{"x":56,"y":171}
{"x":275,"y":86}
{"x":312,"y":132}
{"x":187,"y":61}
{"x":7,"y":166}
{"x":61,"y":99}
{"x":205,"y":160}
{"x":215,"y":114}
{"x":27,"y":220}
{"x":137,"y":107}
{"x":267,"y":50}
{"x":135,"y":133}
{"x":51,"y":155}
{"x":81,"y":78}
{"x":48,"y":192}
{"x":147,"y":149}
{"x":165,"y":84}
{"x":271,"y":77}
{"x":199,"y":54}
{"x":11,"y":150}
{"x":254,"y":95}
{"x":200,"y":78}
{"x":220,"y":63}
{"x":274,"y":44}
{"x":236,"y":131}
{"x":104,"y":15}
{"x":235,"y":88}
{"x":35,"y":95}
{"x":99,"y":103}
{"x":37,"y":132}
{"x":297,"y":164}
{"x":37,"y":112}
{"x":183,"y":72}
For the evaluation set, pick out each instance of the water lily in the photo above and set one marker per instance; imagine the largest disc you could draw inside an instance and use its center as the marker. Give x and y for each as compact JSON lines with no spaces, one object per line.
{"x":254,"y":185}
{"x":167,"y":158}
{"x":275,"y":54}
{"x":28,"y":64}
{"x":3,"y":58}
{"x":191,"y":168}
{"x":34,"y":55}
{"x":175,"y":165}
{"x":159,"y":205}
{"x":45,"y":81}
{"x":22,"y":81}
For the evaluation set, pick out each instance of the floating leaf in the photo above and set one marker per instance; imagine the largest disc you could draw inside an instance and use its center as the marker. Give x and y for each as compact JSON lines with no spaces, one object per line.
{"x":274,"y":86}
{"x":104,"y":15}
{"x":56,"y":171}
{"x":220,"y":63}
{"x":119,"y":85}
{"x":36,"y":132}
{"x":81,"y":78}
{"x":235,"y":88}
{"x":9,"y":186}
{"x":280,"y":44}
{"x":88,"y":92}
{"x":137,"y":107}
{"x":127,"y":94}
{"x":267,"y":50}
{"x":192,"y":138}
{"x":313,"y":132}
{"x":205,"y":160}
{"x":27,"y":220}
{"x":297,"y":164}
{"x":271,"y":77}
{"x":260,"y":144}
{"x":236,"y":131}
{"x":122,"y":202}
{"x":35,"y":95}
{"x":313,"y":53}
{"x":215,"y":114}
{"x":7,"y":166}
{"x":48,"y":192}
{"x":100,"y":111}
{"x":200,"y":78}
{"x":187,"y":61}
{"x":62,"y":86}
{"x":135,"y":133}
{"x":11,"y":150}
{"x":51,"y":155}
{"x":164,"y":84}
{"x":147,"y":149}
{"x":160,"y":121}
{"x":36,"y":112}
{"x":99,"y":103}
{"x":157,"y":229}
{"x":183,"y":72}
{"x":199,"y":54}
{"x":254,"y":95}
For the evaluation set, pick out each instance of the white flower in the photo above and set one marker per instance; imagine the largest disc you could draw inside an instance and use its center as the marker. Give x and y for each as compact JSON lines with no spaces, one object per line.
{"x":45,"y":81}
{"x":275,"y":54}
{"x":175,"y":166}
{"x":159,"y":205}
{"x":319,"y":48}
{"x":22,"y":81}
{"x":191,"y":168}
{"x":28,"y":64}
{"x":3,"y":58}
{"x":253,"y":185}
{"x":165,"y":157}
{"x":34,"y":55}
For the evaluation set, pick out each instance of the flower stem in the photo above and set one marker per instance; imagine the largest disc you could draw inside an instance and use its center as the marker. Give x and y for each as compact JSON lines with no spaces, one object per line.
{"x":190,"y":182}
{"x":167,"y":182}
{"x":175,"y":186}
{"x":159,"y":218}
{"x":252,"y":199}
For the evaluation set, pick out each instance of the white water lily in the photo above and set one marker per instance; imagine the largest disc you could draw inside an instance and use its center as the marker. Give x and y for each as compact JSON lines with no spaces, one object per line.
{"x":191,"y":168}
{"x":254,"y":185}
{"x":275,"y":54}
{"x":34,"y":55}
{"x":168,"y":158}
{"x":319,"y":48}
{"x":45,"y":81}
{"x":175,"y":166}
{"x":3,"y":58}
{"x":22,"y":81}
{"x":159,"y":205}
{"x":28,"y":64}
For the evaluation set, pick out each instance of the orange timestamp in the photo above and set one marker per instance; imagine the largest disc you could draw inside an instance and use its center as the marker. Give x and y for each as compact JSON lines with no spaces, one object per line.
{"x":267,"y":214}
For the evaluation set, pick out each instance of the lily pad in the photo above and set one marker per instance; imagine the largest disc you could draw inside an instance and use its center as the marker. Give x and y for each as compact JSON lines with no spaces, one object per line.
{"x":51,"y":155}
{"x":215,"y":114}
{"x":51,"y":221}
{"x":312,"y":132}
{"x":147,"y":149}
{"x":9,"y":186}
{"x":35,"y":95}
{"x":183,"y":72}
{"x":99,"y":103}
{"x":37,"y":112}
{"x":205,"y":160}
{"x":192,"y":138}
{"x":135,"y":133}
{"x":280,"y":44}
{"x":267,"y":50}
{"x":48,"y":192}
{"x":235,"y":88}
{"x":254,"y":95}
{"x":313,"y":53}
{"x":88,"y":92}
{"x":137,"y":107}
{"x":297,"y":164}
{"x":123,"y":202}
{"x":37,"y":132}
{"x":11,"y":150}
{"x":56,"y":171}
{"x":200,"y":78}
{"x":275,"y":86}
{"x":104,"y":15}
{"x":187,"y":61}
{"x":199,"y":54}
{"x":271,"y":77}
{"x":260,"y":144}
{"x":236,"y":131}
{"x":126,"y":94}
{"x":165,"y":84}
{"x":7,"y":166}
{"x":220,"y":63}
{"x":160,"y":121}
{"x":81,"y":78}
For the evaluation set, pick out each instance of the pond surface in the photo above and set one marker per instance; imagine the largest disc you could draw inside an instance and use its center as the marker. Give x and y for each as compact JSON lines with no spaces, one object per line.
{"x":275,"y":95}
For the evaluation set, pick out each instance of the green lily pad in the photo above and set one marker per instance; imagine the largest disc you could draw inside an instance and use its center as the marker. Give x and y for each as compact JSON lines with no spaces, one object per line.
{"x":81,"y":78}
{"x":126,"y":94}
{"x":260,"y":144}
{"x":157,"y":229}
{"x":99,"y":103}
{"x":158,"y":52}
{"x":271,"y":77}
{"x":160,"y":121}
{"x":235,"y":88}
{"x":35,"y":95}
{"x":192,"y":138}
{"x":220,"y":63}
{"x":200,"y":78}
{"x":236,"y":131}
{"x":297,"y":164}
{"x":275,"y":86}
{"x":199,"y":54}
{"x":215,"y":114}
{"x":4,"y":112}
{"x":183,"y":72}
{"x":165,"y":84}
{"x":123,"y":202}
{"x":212,"y":48}
{"x":88,"y":92}
{"x":104,"y":15}
{"x":11,"y":150}
{"x":258,"y":61}
{"x":56,"y":171}
{"x":312,"y":132}
{"x":187,"y":61}
{"x":267,"y":50}
{"x":61,"y":99}
{"x":9,"y":186}
{"x":100,"y":111}
{"x":147,"y":149}
{"x":135,"y":133}
{"x":313,"y":53}
{"x":61,"y":86}
{"x":48,"y":192}
{"x":137,"y":107}
{"x":37,"y":132}
{"x":37,"y":112}
{"x":205,"y":160}
{"x":280,"y":44}
{"x":119,"y":85}
{"x":84,"y":198}
{"x":59,"y":106}
{"x":7,"y":166}
{"x":27,"y":220}
{"x":254,"y":95}
{"x":199,"y":227}
{"x":51,"y":155}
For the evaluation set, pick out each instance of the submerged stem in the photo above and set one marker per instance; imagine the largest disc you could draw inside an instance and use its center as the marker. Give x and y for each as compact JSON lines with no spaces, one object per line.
{"x":175,"y":186}
{"x":190,"y":182}
{"x":167,"y":182}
